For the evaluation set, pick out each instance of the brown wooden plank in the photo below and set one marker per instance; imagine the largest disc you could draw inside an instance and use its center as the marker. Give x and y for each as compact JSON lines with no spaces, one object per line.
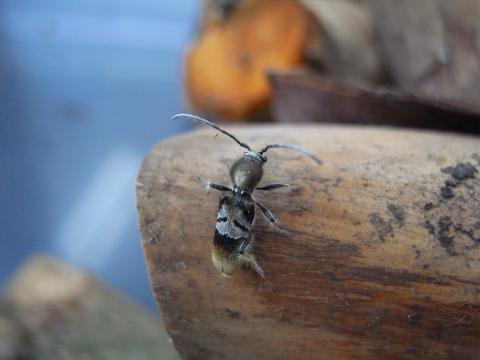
{"x":305,"y":97}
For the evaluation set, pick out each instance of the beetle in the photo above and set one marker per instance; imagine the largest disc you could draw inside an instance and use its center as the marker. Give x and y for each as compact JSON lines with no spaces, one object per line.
{"x":232,"y":240}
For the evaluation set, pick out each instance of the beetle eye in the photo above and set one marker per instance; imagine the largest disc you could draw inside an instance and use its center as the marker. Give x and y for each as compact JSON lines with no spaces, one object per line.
{"x":242,"y":192}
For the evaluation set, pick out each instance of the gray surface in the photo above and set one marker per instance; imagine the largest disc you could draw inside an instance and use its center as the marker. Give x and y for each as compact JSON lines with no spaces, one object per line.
{"x":86,"y":88}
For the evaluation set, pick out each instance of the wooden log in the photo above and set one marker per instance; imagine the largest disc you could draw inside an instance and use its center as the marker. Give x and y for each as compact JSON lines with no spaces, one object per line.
{"x":381,"y":259}
{"x":10,"y":334}
{"x":54,"y":311}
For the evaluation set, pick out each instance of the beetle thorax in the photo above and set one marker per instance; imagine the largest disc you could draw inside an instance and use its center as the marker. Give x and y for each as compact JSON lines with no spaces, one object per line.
{"x":247,"y":172}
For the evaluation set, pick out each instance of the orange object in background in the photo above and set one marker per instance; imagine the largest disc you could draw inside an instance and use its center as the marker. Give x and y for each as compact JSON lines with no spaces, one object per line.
{"x":225,"y":69}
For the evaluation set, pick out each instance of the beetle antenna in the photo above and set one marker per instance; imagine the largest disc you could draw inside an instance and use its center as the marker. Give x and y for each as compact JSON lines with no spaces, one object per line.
{"x":205,"y":121}
{"x":293,"y":148}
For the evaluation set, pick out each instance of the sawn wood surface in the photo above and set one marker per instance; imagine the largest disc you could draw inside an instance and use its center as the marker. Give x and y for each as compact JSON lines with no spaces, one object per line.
{"x":381,"y":260}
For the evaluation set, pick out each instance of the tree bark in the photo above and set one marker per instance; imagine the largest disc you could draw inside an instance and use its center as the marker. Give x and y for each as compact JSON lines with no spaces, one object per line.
{"x":381,"y":258}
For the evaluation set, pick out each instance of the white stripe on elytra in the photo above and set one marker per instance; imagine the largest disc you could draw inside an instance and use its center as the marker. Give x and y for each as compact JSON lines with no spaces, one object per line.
{"x":238,"y":215}
{"x":229,"y":228}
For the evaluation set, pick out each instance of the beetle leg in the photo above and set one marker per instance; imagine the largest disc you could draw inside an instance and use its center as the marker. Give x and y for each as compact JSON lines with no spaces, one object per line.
{"x":270,"y":217}
{"x":249,"y":260}
{"x":209,"y":185}
{"x":244,"y":246}
{"x":276,"y":186}
{"x":219,"y":187}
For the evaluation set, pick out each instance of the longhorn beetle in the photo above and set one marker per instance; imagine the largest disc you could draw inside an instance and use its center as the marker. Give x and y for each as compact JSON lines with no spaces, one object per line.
{"x":236,"y":210}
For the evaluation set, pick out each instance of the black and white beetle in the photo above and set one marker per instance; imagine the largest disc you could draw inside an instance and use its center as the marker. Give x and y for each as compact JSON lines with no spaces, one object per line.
{"x":236,"y":211}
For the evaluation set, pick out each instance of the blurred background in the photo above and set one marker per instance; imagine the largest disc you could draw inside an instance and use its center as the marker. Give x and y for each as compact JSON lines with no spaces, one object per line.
{"x":87,"y":88}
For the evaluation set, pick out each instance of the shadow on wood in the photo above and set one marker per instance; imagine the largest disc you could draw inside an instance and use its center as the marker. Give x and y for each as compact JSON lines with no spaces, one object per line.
{"x":381,"y":261}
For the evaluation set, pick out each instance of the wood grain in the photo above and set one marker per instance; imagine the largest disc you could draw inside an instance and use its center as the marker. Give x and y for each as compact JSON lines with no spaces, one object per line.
{"x":380,"y":260}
